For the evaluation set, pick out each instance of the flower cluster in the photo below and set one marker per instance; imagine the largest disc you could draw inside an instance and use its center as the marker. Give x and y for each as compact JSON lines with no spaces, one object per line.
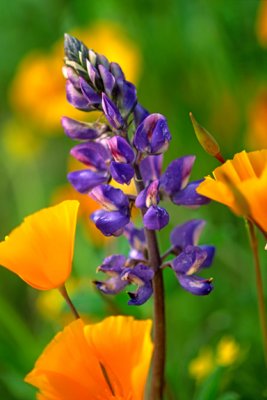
{"x":129,"y":145}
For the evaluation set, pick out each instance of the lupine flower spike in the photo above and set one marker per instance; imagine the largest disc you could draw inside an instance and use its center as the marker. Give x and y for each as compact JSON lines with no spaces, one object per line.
{"x":128,"y":147}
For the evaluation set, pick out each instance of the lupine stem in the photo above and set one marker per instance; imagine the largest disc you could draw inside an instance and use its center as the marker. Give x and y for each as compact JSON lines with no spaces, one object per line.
{"x":157,"y":381}
{"x":259,"y":283}
{"x":64,"y":293}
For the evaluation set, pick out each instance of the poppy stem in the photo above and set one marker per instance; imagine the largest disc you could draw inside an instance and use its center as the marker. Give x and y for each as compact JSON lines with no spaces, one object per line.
{"x":159,"y":323}
{"x":259,"y":283}
{"x":62,"y":289}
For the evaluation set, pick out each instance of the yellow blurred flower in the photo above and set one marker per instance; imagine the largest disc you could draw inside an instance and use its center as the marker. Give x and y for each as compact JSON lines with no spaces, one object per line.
{"x":256,"y":136}
{"x":19,"y":139}
{"x":241,"y":184}
{"x":40,"y":250}
{"x":226,"y":354}
{"x":228,"y":351}
{"x":38,"y":89}
{"x":104,"y":361}
{"x":202,"y":365}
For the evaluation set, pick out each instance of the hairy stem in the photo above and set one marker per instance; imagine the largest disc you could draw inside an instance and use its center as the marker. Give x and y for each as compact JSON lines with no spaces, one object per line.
{"x":259,"y":283}
{"x":157,"y":381}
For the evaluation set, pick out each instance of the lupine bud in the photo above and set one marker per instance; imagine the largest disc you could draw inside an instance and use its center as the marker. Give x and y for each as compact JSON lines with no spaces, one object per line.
{"x":126,"y":97}
{"x":89,"y":93}
{"x":76,"y":98}
{"x":112,"y":113}
{"x":107,"y":79}
{"x":206,"y":140}
{"x":152,"y":135}
{"x":116,"y":71}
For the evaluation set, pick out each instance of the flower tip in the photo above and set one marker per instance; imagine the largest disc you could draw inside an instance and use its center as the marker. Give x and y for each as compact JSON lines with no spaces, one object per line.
{"x":206,"y":140}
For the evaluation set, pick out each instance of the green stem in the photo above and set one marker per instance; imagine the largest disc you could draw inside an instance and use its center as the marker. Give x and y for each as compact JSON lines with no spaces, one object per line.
{"x":157,"y":380}
{"x":64,"y":293}
{"x":259,"y":283}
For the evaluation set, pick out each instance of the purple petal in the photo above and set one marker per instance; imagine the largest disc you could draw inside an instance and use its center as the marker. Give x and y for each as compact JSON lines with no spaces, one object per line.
{"x":85,"y":180}
{"x":187,"y":233}
{"x":76,"y":98}
{"x":121,"y":172}
{"x":92,"y":154}
{"x":112,"y":264}
{"x":93,"y":75}
{"x":112,"y":113}
{"x":107,"y":79}
{"x":151,"y":167}
{"x":89,"y":93}
{"x":156,"y":218}
{"x":210,"y":250}
{"x":189,"y":260}
{"x":140,"y":113}
{"x":142,"y":294}
{"x":82,"y":130}
{"x":110,"y":223}
{"x":113,"y":285}
{"x":110,"y":198}
{"x":116,"y":71}
{"x":195,"y":284}
{"x":177,"y":174}
{"x":121,"y":150}
{"x":126,"y":97}
{"x":189,"y":197}
{"x":72,"y":76}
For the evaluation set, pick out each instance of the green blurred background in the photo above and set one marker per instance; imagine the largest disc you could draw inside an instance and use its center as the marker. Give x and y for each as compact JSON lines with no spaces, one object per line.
{"x":204,"y":56}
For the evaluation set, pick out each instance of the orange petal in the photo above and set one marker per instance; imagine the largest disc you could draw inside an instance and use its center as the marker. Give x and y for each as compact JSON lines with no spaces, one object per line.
{"x":40,"y":250}
{"x":70,"y":366}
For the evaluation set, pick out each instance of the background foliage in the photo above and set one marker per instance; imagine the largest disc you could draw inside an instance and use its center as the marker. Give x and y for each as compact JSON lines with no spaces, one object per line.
{"x":205,"y":56}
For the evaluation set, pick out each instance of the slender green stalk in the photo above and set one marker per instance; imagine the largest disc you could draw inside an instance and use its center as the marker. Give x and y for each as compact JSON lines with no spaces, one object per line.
{"x":157,"y":381}
{"x":259,"y":283}
{"x":64,"y":293}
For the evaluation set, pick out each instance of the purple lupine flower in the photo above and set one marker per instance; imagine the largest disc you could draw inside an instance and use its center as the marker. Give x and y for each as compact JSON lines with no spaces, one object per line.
{"x":187,"y":234}
{"x":107,"y":79}
{"x":95,"y":156}
{"x":116,"y":213}
{"x":186,"y":264}
{"x":83,"y":130}
{"x":152,"y":136}
{"x":174,"y":183}
{"x":155,"y":218}
{"x":112,"y":266}
{"x":140,"y":275}
{"x":76,"y":98}
{"x":189,"y":196}
{"x":112,"y":113}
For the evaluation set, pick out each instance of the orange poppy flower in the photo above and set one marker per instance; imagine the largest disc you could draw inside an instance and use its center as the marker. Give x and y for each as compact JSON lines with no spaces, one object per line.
{"x":241,"y":184}
{"x":40,"y":250}
{"x":104,"y":361}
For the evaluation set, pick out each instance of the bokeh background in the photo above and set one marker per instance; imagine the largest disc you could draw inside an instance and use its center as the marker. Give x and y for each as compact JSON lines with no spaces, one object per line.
{"x":204,"y":56}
